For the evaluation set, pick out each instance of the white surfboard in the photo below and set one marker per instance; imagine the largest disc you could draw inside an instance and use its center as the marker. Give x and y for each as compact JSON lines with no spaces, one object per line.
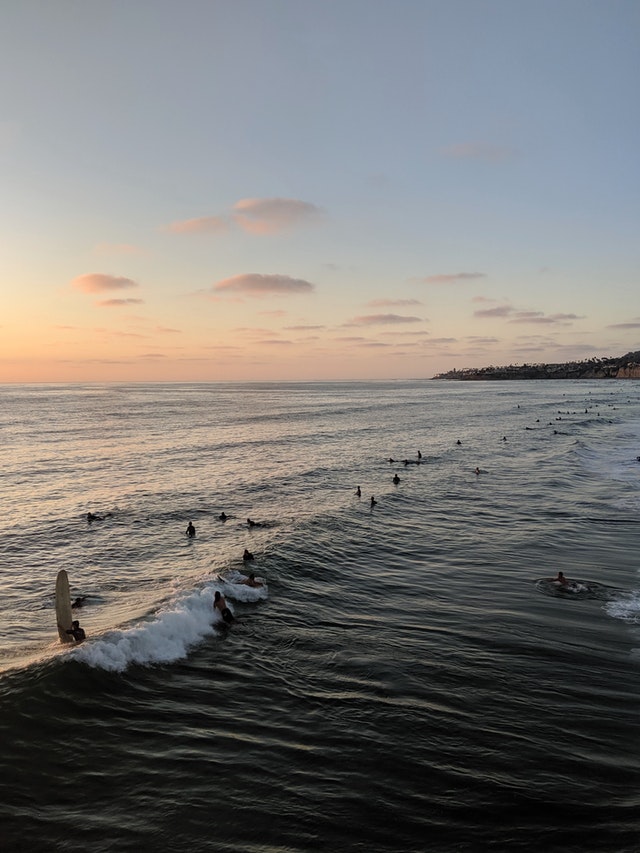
{"x":64,"y":616}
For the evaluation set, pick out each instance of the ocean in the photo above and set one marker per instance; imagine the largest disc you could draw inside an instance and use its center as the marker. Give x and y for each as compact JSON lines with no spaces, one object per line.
{"x":408,"y":677}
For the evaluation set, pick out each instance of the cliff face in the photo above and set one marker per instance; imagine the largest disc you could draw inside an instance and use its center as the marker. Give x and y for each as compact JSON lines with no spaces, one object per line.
{"x":629,"y":371}
{"x":626,"y":367}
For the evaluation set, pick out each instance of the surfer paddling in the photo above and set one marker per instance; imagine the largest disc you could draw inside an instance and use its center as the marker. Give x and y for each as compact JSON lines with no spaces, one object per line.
{"x":220,"y":604}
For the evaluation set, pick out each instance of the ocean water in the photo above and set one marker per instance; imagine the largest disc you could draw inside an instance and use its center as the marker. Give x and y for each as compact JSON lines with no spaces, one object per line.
{"x":407,"y":679}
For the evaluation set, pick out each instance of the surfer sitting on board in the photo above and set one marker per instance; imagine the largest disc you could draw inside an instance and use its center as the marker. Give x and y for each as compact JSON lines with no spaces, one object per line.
{"x":76,"y":631}
{"x":251,"y":581}
{"x":220,"y":604}
{"x":561,"y":579}
{"x":79,"y":602}
{"x":247,"y":555}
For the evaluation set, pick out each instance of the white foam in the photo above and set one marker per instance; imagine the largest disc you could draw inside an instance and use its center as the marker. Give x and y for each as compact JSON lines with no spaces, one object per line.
{"x":626,"y":607}
{"x":167,"y":636}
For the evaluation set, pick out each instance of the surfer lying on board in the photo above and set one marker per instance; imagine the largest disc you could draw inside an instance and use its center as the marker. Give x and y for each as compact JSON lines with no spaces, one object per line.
{"x":251,"y":581}
{"x":77,"y":632}
{"x":220,"y":604}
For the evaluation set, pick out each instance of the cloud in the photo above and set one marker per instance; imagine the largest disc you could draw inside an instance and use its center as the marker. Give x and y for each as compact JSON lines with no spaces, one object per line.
{"x":635,"y":324}
{"x":498,"y":311}
{"x":540,"y":317}
{"x":381,"y":319}
{"x":301,"y":328}
{"x":100,"y":283}
{"x":111,"y":303}
{"x":390,"y":303}
{"x":272,"y":215}
{"x":479,"y":151}
{"x":533,"y":317}
{"x":452,"y":278}
{"x":257,"y":285}
{"x":202,"y":225}
{"x":482,"y":299}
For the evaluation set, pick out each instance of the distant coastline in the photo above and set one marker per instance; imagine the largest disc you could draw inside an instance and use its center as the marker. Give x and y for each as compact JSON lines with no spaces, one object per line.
{"x":624,"y":367}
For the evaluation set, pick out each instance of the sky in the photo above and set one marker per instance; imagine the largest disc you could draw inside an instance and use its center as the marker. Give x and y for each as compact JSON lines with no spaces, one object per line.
{"x":307,"y":190}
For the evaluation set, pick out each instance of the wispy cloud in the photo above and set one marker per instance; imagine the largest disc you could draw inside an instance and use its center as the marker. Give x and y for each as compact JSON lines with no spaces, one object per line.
{"x":479,"y":151}
{"x":253,"y":215}
{"x":634,"y":324}
{"x":392,"y":303}
{"x":257,"y":285}
{"x":544,"y":319}
{"x":201,"y":225}
{"x":273,"y":215}
{"x":498,"y":311}
{"x":514,"y":315}
{"x":381,"y":319}
{"x":115,"y":303}
{"x":452,"y":278}
{"x":302,"y":328}
{"x":101,"y":283}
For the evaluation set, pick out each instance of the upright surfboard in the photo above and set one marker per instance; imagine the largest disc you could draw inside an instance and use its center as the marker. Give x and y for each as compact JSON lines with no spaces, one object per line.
{"x":64,"y":616}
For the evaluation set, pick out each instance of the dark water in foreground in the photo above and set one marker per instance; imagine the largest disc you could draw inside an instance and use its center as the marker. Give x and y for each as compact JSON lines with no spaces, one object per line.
{"x":405,"y":681}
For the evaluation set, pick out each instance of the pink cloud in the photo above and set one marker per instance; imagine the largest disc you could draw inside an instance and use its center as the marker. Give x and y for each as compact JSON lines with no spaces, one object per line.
{"x":257,"y":284}
{"x":202,"y":225}
{"x":99,"y":283}
{"x":272,"y":215}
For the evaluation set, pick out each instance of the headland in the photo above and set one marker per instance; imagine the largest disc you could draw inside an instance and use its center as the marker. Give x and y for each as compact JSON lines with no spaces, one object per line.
{"x":624,"y":367}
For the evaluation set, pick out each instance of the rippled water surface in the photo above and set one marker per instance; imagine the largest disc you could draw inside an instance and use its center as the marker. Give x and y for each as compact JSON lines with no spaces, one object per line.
{"x":409,"y":678}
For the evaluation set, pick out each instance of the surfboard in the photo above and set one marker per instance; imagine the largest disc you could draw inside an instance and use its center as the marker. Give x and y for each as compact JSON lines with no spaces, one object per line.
{"x":64,"y":617}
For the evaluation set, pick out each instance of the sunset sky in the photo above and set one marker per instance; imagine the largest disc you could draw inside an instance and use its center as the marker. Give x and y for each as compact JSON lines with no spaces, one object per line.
{"x":316,"y":189}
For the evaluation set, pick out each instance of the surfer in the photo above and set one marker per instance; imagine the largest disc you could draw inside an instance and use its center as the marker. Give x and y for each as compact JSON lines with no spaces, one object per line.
{"x":561,"y":579}
{"x":76,"y":631}
{"x":190,"y":531}
{"x":396,"y":479}
{"x":247,"y":555}
{"x":359,"y":492}
{"x":220,"y":604}
{"x":92,"y":517}
{"x":373,"y":501}
{"x":252,"y":523}
{"x":251,"y":581}
{"x":419,"y":455}
{"x":223,"y":516}
{"x":477,"y":471}
{"x":79,"y":602}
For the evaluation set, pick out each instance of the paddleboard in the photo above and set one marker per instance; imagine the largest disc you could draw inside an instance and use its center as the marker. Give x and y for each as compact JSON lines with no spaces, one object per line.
{"x":64,"y":617}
